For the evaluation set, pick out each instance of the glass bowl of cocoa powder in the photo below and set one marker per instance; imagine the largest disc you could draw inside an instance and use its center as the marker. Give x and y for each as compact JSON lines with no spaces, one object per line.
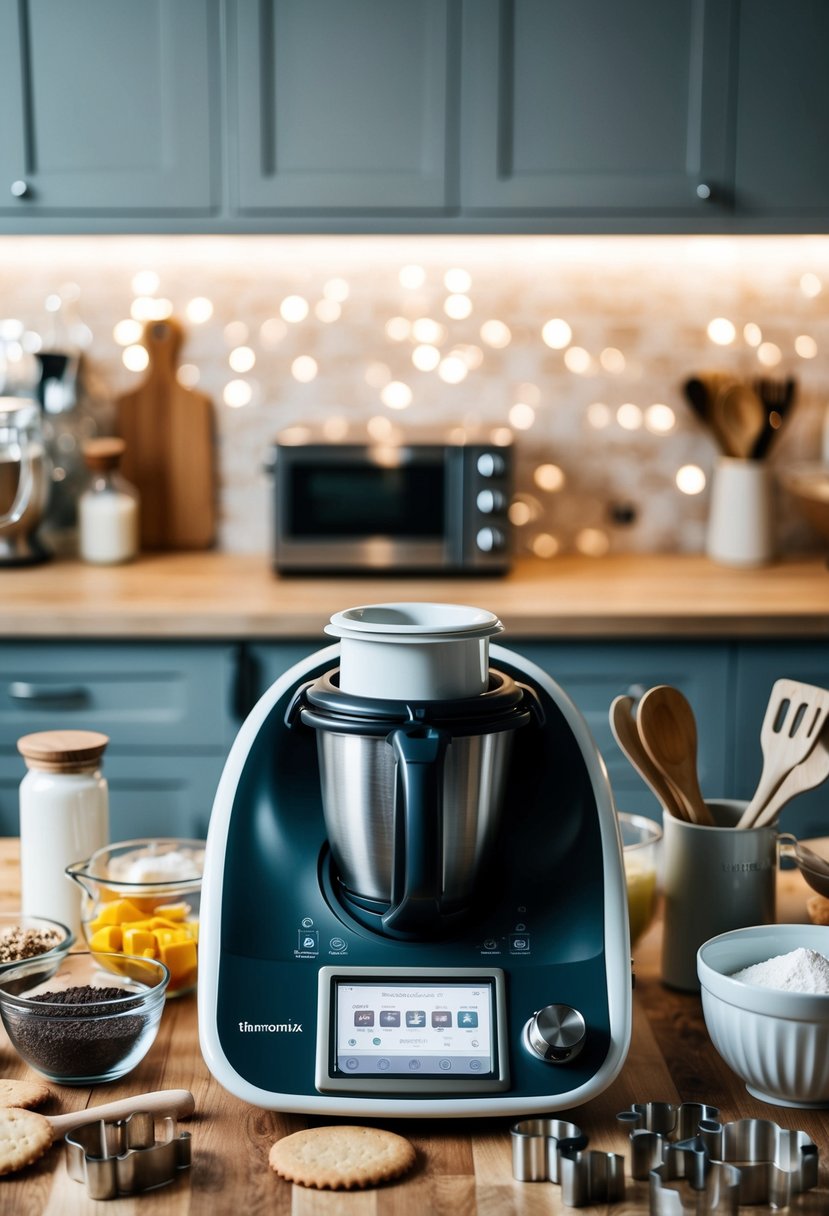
{"x":27,"y":937}
{"x":84,"y":1018}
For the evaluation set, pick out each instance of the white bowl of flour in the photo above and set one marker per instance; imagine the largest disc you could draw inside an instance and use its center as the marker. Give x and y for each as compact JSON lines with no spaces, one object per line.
{"x":765,"y":999}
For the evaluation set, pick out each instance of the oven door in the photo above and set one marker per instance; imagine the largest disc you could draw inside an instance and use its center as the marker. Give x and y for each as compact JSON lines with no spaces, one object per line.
{"x":343,"y":507}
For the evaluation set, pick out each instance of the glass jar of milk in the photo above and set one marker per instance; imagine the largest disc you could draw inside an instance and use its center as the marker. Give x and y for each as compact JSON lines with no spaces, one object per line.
{"x":108,"y":508}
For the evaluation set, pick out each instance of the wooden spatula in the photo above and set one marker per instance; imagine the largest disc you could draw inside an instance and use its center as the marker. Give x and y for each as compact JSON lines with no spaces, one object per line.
{"x":25,"y":1135}
{"x":794,"y":719}
{"x":169,"y":432}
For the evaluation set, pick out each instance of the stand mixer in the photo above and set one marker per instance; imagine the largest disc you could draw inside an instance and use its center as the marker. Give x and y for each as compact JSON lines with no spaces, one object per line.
{"x":413,"y":901}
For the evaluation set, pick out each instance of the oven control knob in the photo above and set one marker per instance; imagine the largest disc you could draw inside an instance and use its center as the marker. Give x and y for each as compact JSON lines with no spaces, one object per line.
{"x":491,"y":464}
{"x":556,"y":1033}
{"x":490,"y":540}
{"x":490,"y":502}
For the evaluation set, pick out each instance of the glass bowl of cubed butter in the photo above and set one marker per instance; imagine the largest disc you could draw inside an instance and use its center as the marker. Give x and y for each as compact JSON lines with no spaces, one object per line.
{"x":142,"y":897}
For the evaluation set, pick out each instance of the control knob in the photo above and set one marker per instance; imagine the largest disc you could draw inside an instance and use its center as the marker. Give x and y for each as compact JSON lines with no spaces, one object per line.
{"x":490,"y":540}
{"x":489,"y":502}
{"x":556,"y":1033}
{"x":491,"y":464}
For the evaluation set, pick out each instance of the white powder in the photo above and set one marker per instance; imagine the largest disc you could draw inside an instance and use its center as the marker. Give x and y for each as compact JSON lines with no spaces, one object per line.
{"x":801,"y":970}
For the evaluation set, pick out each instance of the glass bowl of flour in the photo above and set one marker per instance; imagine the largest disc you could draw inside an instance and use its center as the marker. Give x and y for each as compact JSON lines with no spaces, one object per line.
{"x":765,"y":999}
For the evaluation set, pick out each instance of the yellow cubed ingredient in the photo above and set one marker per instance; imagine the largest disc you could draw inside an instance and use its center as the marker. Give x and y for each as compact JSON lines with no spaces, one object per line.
{"x":172,"y":911}
{"x":107,"y":938}
{"x":193,"y":926}
{"x":181,"y":958}
{"x":138,"y":941}
{"x":118,"y":912}
{"x":149,"y":953}
{"x":161,"y":922}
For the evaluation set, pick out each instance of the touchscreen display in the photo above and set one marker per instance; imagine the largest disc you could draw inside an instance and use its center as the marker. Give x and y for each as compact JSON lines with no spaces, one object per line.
{"x":415,"y":1029}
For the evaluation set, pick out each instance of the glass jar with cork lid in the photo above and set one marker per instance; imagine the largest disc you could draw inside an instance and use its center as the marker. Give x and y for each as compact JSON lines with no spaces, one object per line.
{"x":64,"y":815}
{"x":108,"y":508}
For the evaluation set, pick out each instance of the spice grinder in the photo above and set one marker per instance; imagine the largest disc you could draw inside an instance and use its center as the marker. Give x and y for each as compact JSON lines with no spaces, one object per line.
{"x":413,"y":902}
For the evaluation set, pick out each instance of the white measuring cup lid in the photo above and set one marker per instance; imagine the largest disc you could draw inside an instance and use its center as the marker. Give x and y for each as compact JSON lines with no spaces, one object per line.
{"x":414,"y":622}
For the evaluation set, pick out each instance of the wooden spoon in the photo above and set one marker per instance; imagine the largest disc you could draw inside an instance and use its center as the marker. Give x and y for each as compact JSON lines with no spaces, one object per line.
{"x":26,"y":1134}
{"x":669,"y":733}
{"x":626,"y":734}
{"x":740,"y":419}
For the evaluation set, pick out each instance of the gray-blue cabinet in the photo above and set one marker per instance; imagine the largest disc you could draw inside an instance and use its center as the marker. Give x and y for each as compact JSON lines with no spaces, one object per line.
{"x":595,"y":106}
{"x":343,"y":106}
{"x":108,"y":106}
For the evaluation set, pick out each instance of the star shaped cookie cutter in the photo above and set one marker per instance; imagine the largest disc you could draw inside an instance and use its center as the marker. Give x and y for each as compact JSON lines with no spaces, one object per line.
{"x":123,"y":1157}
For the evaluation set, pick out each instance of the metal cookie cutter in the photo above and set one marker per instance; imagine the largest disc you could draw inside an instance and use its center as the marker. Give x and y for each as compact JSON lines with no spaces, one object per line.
{"x":654,"y":1124}
{"x":124,"y":1156}
{"x":535,"y":1148}
{"x":774,"y":1163}
{"x":590,"y":1176}
{"x":715,"y":1185}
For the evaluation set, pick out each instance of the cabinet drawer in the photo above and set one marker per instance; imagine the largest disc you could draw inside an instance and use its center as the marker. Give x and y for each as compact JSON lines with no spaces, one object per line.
{"x":593,"y":674}
{"x":163,"y":696}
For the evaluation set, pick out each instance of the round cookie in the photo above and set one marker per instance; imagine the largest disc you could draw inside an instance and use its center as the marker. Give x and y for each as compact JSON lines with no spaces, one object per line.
{"x":24,"y":1136}
{"x":24,"y":1094}
{"x":341,"y":1158}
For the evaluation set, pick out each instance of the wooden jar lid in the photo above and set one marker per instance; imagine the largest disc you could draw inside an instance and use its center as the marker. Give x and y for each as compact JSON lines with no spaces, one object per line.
{"x":103,"y":453}
{"x":62,"y":751}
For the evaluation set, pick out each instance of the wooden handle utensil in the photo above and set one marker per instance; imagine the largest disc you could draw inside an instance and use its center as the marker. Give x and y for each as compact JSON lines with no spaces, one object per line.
{"x":626,"y":734}
{"x":669,"y":734}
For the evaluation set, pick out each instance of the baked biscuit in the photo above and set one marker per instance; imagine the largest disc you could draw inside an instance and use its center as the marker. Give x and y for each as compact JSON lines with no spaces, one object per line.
{"x":24,"y":1136}
{"x":24,"y":1094}
{"x":341,"y":1158}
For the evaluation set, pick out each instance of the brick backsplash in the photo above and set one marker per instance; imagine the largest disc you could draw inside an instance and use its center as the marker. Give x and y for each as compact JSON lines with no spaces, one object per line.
{"x":638,"y":311}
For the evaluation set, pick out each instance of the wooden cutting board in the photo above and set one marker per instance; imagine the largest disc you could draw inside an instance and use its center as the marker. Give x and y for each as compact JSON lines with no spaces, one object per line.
{"x":170,"y":457}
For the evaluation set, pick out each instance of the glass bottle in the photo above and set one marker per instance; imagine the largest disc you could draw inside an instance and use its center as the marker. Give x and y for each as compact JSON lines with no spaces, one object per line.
{"x":108,"y":508}
{"x":64,"y":817}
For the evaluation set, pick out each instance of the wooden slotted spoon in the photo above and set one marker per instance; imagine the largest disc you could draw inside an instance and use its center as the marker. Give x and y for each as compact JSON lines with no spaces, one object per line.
{"x":804,"y":776}
{"x":669,"y":733}
{"x":793,"y":722}
{"x":626,"y":734}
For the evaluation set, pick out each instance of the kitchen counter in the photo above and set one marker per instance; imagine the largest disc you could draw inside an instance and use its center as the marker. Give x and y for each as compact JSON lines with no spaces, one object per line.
{"x":214,"y":595}
{"x":463,"y":1167}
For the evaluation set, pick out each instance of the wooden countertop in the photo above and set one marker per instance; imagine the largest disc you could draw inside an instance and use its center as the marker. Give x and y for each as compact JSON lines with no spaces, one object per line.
{"x":213,"y":595}
{"x":464,"y":1167}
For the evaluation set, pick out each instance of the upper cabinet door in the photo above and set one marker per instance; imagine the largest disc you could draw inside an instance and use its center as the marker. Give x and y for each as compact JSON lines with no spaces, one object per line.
{"x":782,"y":138}
{"x":344,"y":104}
{"x":595,"y":105}
{"x":106,"y":106}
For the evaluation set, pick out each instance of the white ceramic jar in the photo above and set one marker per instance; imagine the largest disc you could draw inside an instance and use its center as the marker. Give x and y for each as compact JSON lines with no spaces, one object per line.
{"x":108,"y":508}
{"x":64,"y":816}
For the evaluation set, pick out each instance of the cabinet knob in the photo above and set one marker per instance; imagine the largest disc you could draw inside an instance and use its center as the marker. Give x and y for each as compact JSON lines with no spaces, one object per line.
{"x":20,"y":189}
{"x":703,"y":191}
{"x":556,"y":1033}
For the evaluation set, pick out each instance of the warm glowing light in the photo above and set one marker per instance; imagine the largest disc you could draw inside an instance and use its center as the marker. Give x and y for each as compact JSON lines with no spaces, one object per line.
{"x":520,"y":513}
{"x":521,"y":416}
{"x":293,"y":309}
{"x":753,"y":334}
{"x":549,"y":477}
{"x":295,"y":435}
{"x":241,"y":359}
{"x":145,"y":283}
{"x":337,"y":290}
{"x":472,"y":355}
{"x":237,"y":393}
{"x":126,"y":333}
{"x":721,"y":331}
{"x":52,"y":303}
{"x":496,"y":334}
{"x":146,"y":308}
{"x":188,"y":375}
{"x":592,"y":542}
{"x":135,"y":358}
{"x":426,"y":358}
{"x":304,"y":369}
{"x":577,"y":360}
{"x":32,"y":342}
{"x":557,"y":334}
{"x":396,"y":395}
{"x":660,"y":418}
{"x":805,"y":346}
{"x":377,"y":374}
{"x":335,"y":428}
{"x":452,"y":370}
{"x":199,"y":309}
{"x":501,"y":436}
{"x":457,"y":280}
{"x":398,"y":329}
{"x":598,"y":415}
{"x":380,"y":427}
{"x":769,"y":354}
{"x":426,"y":330}
{"x":810,"y":285}
{"x":612,"y":360}
{"x":629,"y":416}
{"x":690,"y":479}
{"x":272,"y":332}
{"x":457,"y":307}
{"x":327,"y":311}
{"x":235,"y":333}
{"x":545,"y":545}
{"x":412,"y":276}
